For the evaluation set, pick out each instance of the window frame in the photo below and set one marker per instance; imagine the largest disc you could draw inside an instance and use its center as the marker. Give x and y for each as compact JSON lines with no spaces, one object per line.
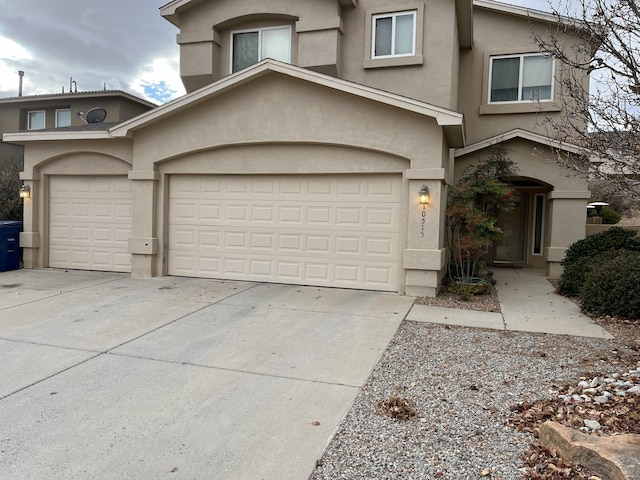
{"x":58,"y":110}
{"x":370,"y":62}
{"x":521,"y":57}
{"x":537,"y":232}
{"x":258,"y":30}
{"x":394,"y":16}
{"x":44,"y":119}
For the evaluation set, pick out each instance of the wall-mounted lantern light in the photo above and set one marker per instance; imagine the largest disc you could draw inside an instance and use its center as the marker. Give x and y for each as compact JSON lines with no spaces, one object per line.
{"x":598,"y":206}
{"x":424,"y":195}
{"x":25,"y":191}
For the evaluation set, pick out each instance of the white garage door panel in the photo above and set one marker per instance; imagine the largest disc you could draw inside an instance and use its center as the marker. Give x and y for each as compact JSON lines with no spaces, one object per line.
{"x":90,"y":223}
{"x":316,"y":230}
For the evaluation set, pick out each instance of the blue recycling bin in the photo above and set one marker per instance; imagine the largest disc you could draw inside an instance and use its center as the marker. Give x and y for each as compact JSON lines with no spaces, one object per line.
{"x":10,"y":245}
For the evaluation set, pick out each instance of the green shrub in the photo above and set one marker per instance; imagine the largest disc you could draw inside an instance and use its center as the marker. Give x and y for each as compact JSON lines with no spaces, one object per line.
{"x":613,"y":239}
{"x":632,"y":244}
{"x":612,"y":287}
{"x":609,"y":216}
{"x":574,"y":275}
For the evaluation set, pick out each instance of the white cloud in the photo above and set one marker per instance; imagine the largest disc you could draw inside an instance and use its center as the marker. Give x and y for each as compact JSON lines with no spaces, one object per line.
{"x":12,"y":51}
{"x":11,"y":55}
{"x":159,"y":81}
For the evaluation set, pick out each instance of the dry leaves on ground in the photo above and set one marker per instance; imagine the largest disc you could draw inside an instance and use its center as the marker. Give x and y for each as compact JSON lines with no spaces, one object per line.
{"x":544,"y":463}
{"x":397,"y":407}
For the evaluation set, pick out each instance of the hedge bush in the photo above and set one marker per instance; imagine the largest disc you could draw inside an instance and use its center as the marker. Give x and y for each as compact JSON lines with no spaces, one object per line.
{"x":615,"y":238}
{"x":610,"y":216}
{"x":574,"y":275}
{"x":612,"y":287}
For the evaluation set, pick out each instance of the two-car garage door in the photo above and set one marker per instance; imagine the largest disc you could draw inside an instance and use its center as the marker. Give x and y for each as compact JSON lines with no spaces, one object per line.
{"x":341,"y":230}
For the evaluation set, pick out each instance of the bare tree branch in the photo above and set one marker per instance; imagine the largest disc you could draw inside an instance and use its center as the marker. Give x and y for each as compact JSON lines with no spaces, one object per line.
{"x":609,"y":50}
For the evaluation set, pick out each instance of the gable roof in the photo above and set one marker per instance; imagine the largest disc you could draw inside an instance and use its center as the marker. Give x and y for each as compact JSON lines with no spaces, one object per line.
{"x":452,"y":122}
{"x":515,"y":134}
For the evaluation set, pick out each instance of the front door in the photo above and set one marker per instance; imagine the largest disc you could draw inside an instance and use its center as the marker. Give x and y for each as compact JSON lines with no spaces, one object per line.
{"x":512,"y":247}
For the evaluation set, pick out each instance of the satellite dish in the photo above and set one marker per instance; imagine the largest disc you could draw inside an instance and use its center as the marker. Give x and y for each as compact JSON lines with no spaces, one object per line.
{"x":96,"y":115}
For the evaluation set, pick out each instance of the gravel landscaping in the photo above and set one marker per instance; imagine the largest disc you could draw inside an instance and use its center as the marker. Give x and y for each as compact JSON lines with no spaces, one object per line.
{"x":465,"y":386}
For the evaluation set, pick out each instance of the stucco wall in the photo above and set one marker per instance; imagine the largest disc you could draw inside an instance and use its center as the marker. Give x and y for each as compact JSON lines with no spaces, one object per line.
{"x":434,"y":80}
{"x":206,"y":28}
{"x":281,"y":109}
{"x":501,"y":34}
{"x":332,"y":40}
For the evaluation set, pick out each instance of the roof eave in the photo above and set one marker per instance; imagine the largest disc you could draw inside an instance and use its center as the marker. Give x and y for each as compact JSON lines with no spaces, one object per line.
{"x":518,"y":133}
{"x":79,"y":95}
{"x":171,"y":11}
{"x":21,"y":138}
{"x":530,"y":13}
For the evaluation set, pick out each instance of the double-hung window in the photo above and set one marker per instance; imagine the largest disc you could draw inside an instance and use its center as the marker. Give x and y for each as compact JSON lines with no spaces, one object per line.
{"x":251,"y":46}
{"x":394,"y":35}
{"x":63,"y":117}
{"x":521,"y":78}
{"x":36,"y":120}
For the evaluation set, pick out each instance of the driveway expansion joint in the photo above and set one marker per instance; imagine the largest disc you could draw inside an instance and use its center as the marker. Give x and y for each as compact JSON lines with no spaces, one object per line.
{"x":227,"y":369}
{"x":49,"y":376}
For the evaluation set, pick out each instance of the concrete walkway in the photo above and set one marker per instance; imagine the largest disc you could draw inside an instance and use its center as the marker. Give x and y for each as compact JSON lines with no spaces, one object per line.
{"x":528,"y":303}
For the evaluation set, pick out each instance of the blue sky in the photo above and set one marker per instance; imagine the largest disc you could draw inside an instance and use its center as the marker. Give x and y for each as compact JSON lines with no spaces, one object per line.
{"x":123,"y":44}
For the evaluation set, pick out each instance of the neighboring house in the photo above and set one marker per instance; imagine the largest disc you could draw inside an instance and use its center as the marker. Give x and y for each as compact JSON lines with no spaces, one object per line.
{"x":38,"y":112}
{"x":300,"y":150}
{"x":64,"y":110}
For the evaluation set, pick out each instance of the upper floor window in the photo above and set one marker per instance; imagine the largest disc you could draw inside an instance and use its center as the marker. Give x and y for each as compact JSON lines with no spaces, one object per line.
{"x":251,"y":46}
{"x":63,"y":117}
{"x":521,"y":78}
{"x":394,"y":34}
{"x":36,"y":120}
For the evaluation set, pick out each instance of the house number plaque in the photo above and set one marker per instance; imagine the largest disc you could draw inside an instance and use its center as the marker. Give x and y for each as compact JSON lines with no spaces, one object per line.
{"x":423,"y":221}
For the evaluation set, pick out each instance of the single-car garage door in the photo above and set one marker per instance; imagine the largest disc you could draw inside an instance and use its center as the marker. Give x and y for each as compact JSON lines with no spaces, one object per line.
{"x":341,"y":231}
{"x":90,"y":223}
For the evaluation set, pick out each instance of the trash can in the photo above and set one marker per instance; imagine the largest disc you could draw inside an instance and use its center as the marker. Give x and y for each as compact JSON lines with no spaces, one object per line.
{"x":10,"y":245}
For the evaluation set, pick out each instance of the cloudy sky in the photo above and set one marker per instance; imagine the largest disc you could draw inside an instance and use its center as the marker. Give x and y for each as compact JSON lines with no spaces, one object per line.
{"x":124,"y":44}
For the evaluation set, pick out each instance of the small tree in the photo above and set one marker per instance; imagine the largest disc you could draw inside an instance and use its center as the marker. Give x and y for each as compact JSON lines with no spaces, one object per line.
{"x":10,"y":168}
{"x":474,"y":204}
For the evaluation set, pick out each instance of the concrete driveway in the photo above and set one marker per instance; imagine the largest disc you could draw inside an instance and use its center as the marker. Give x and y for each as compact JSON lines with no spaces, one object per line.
{"x":107,"y":376}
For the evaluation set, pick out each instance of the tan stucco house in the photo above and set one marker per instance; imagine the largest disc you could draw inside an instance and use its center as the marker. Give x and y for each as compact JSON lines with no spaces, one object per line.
{"x":298,"y":154}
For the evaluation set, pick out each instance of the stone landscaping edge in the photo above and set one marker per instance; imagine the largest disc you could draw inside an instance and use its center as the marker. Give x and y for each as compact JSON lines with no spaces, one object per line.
{"x":614,"y":457}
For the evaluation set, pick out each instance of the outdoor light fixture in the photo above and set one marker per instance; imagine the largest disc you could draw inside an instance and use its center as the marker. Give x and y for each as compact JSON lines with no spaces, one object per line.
{"x":25,"y":191}
{"x":598,"y":206}
{"x":424,"y":195}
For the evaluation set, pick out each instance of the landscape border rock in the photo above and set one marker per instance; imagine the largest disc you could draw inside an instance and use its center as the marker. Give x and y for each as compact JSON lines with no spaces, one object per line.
{"x":616,"y":457}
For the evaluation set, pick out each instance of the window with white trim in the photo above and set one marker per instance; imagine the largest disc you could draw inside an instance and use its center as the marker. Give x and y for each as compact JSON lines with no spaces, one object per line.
{"x":63,"y":117}
{"x":394,"y":35}
{"x":521,"y":78}
{"x":36,"y":120}
{"x":251,"y":46}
